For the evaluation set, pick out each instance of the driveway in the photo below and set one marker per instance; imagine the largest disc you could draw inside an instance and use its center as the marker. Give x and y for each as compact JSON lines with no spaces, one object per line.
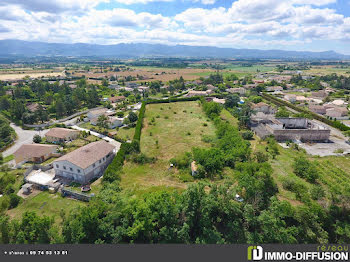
{"x":108,"y":139}
{"x":23,"y":137}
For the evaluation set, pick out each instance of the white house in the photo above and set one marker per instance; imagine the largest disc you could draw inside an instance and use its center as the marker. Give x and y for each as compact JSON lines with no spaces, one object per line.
{"x":86,"y":162}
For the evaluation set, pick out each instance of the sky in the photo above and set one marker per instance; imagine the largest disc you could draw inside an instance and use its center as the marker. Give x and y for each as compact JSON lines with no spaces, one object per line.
{"x":302,"y":25}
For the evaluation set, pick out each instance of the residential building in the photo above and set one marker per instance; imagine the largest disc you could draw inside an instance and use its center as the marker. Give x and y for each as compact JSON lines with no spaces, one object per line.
{"x":239,"y":90}
{"x":218,"y":100}
{"x":274,"y":88}
{"x":85,"y":163}
{"x":132,"y":85}
{"x":302,"y":99}
{"x":262,"y":107}
{"x":115,"y":99}
{"x":317,"y":109}
{"x":36,"y":153}
{"x":143,"y":88}
{"x":337,"y":112}
{"x":33,"y":107}
{"x":211,"y":87}
{"x":291,"y":98}
{"x":199,"y":93}
{"x":115,"y":122}
{"x":339,"y":102}
{"x":57,"y":135}
{"x":98,"y":112}
{"x":319,"y":94}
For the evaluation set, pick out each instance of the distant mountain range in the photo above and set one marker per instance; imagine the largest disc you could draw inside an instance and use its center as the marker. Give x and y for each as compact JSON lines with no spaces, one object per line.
{"x":32,"y":49}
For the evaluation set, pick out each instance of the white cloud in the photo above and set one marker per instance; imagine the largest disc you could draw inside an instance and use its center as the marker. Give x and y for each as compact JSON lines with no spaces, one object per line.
{"x":205,"y":2}
{"x":314,"y":2}
{"x":130,"y":2}
{"x":54,"y":6}
{"x":247,"y":23}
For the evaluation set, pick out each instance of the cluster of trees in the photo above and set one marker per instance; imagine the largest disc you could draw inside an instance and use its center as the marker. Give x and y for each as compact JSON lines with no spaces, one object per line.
{"x":334,"y":80}
{"x":53,"y":99}
{"x":9,"y":197}
{"x":228,"y":149}
{"x":201,"y":214}
{"x":7,"y":134}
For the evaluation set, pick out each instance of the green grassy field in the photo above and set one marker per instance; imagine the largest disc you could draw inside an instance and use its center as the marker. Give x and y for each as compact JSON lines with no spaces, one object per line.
{"x":177,"y":127}
{"x":45,"y":203}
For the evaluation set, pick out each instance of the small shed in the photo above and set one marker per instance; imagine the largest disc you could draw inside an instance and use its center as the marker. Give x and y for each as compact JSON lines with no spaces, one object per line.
{"x":194,"y":168}
{"x":27,"y":188}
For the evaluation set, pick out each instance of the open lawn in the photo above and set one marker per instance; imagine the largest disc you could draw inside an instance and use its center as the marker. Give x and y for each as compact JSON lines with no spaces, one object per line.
{"x":45,"y":204}
{"x":169,"y":130}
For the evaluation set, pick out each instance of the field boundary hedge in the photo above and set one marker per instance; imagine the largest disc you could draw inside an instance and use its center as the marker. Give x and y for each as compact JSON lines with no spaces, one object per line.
{"x":335,"y":124}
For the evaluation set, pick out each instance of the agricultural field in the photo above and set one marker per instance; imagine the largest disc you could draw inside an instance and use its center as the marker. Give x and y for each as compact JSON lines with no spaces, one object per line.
{"x":154,"y":73}
{"x":169,"y":130}
{"x":18,"y":76}
{"x":328,"y":69}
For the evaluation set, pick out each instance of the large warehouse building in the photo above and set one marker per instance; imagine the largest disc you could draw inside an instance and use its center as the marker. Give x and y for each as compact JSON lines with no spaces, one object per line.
{"x":293,"y":129}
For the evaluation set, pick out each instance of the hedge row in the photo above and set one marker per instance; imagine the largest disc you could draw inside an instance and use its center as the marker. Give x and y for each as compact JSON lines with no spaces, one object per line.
{"x":335,"y":124}
{"x":172,"y":100}
{"x":112,"y":172}
{"x":138,"y":128}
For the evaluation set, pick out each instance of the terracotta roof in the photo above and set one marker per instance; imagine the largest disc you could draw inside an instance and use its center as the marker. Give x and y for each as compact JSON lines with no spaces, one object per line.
{"x":34,"y":150}
{"x":260,"y":104}
{"x":338,"y":109}
{"x":114,"y":99}
{"x":87,"y":155}
{"x":60,"y":132}
{"x":33,"y":107}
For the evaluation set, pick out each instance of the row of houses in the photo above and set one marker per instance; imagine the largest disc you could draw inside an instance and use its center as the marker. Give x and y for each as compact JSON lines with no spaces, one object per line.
{"x":330,"y":110}
{"x":38,"y":153}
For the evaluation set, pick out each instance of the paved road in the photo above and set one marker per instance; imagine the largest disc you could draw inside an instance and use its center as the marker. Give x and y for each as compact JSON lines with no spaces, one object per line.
{"x":23,"y":137}
{"x":108,"y":139}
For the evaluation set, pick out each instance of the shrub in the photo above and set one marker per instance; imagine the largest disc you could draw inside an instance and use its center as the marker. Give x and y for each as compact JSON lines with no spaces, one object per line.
{"x":261,"y":157}
{"x":142,"y":159}
{"x":185,"y":177}
{"x":298,"y":188}
{"x":120,"y":114}
{"x":37,"y":139}
{"x":14,"y":200}
{"x":183,"y":161}
{"x":132,"y":117}
{"x":248,"y":135}
{"x":208,"y":139}
{"x":305,"y":169}
{"x":317,"y":192}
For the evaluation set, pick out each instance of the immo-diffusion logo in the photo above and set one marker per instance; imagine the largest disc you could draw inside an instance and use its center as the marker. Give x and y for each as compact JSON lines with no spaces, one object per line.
{"x":257,"y":253}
